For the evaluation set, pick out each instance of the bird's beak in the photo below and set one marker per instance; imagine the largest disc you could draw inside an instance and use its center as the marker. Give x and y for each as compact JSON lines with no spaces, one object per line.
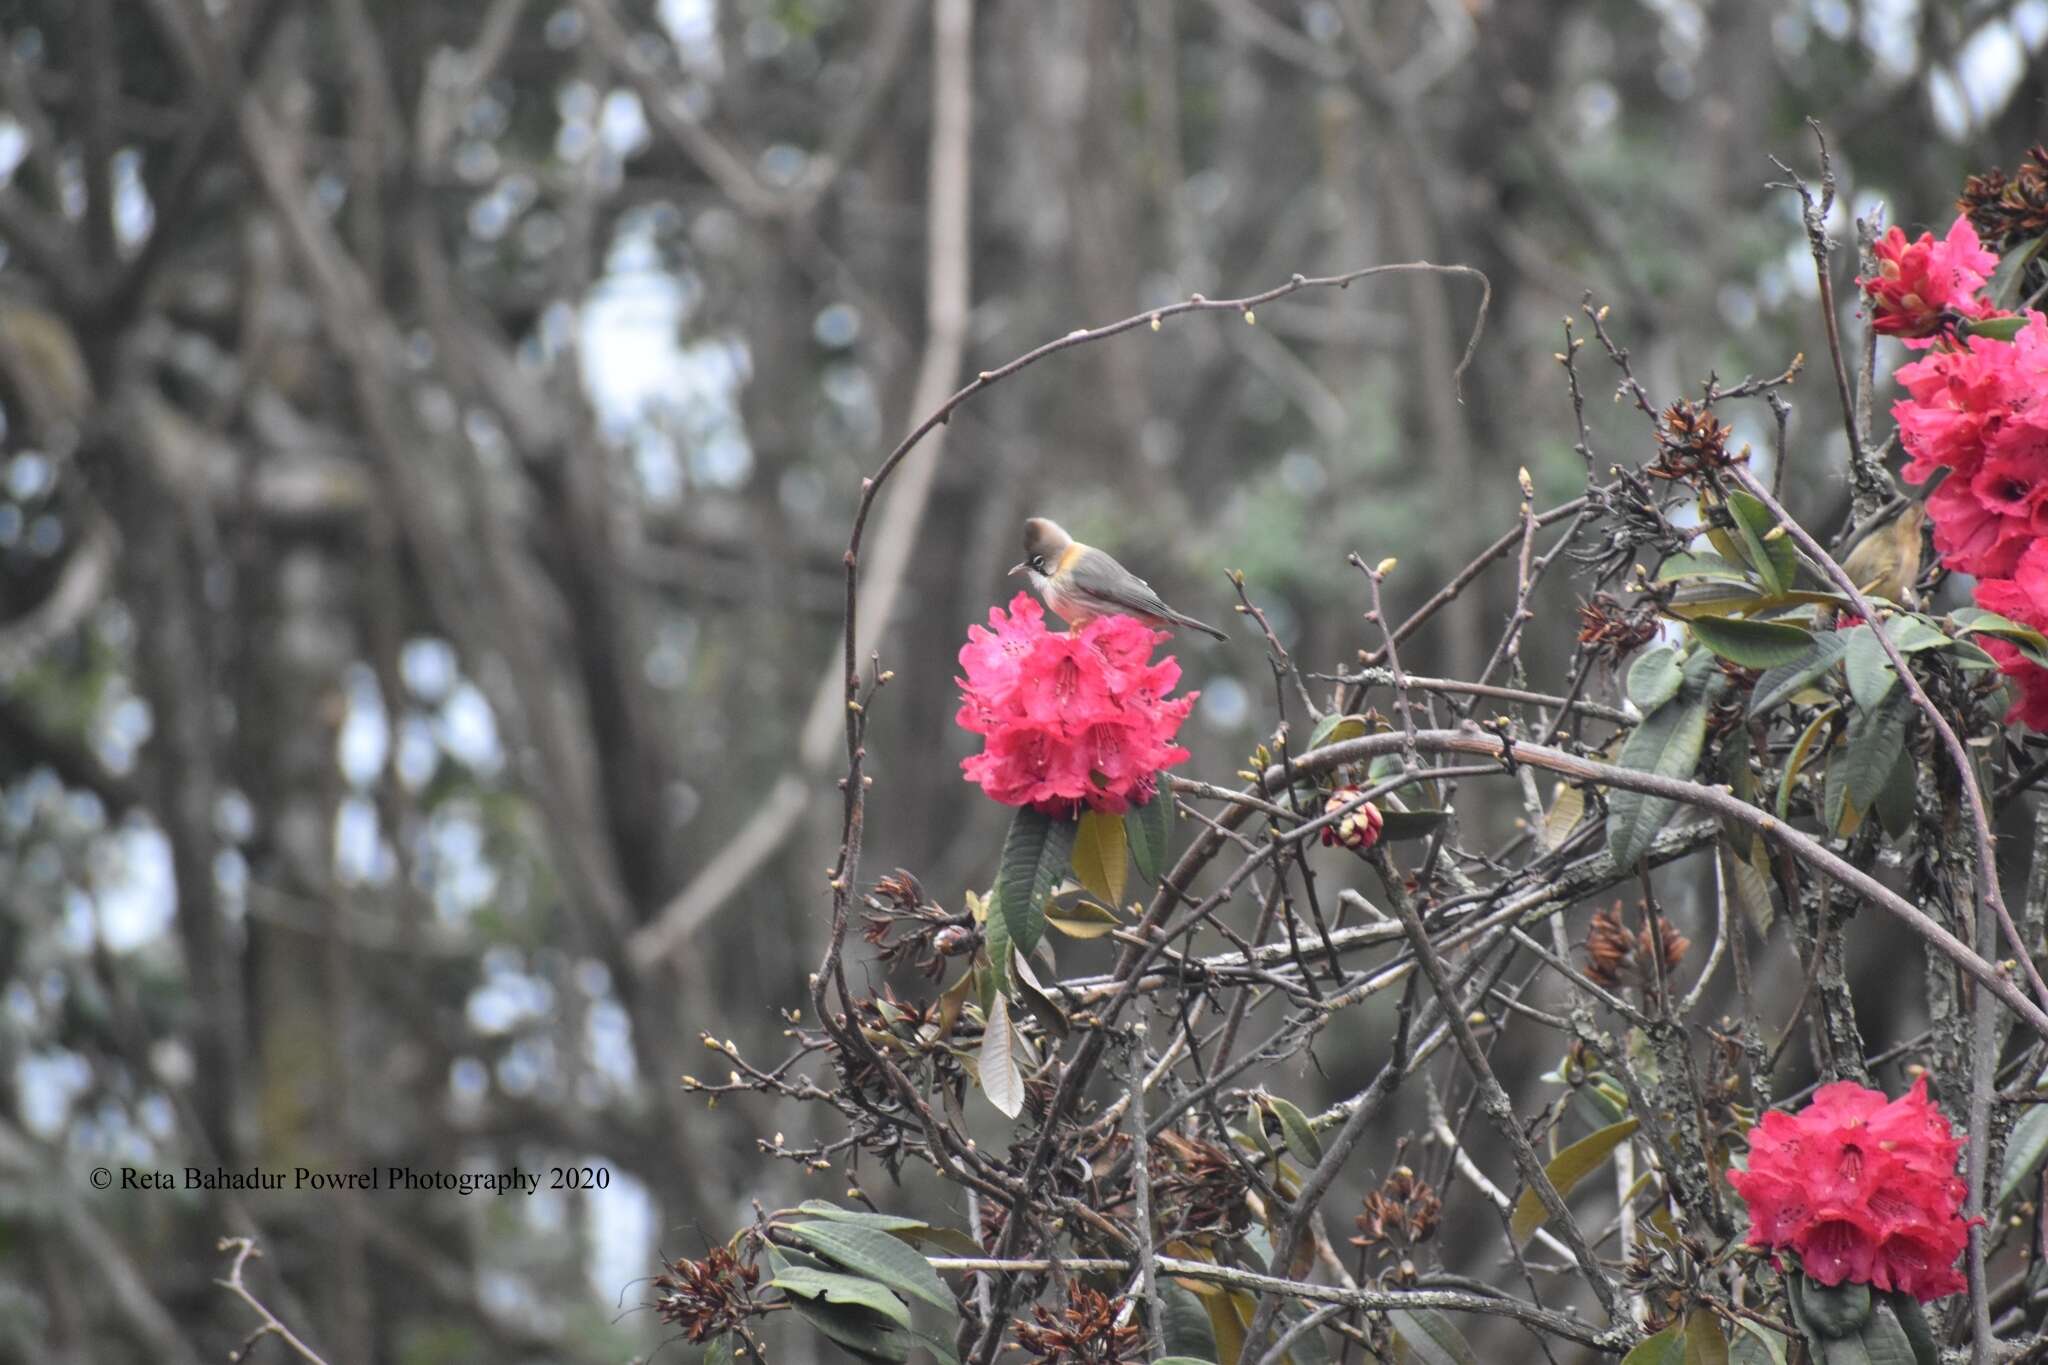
{"x":1016,"y":569}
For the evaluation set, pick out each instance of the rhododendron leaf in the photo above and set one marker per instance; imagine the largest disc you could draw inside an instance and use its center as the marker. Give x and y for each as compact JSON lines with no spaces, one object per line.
{"x":1688,"y":565}
{"x":1914,"y":633}
{"x":1430,"y":1337}
{"x":1975,"y":621}
{"x":1758,"y":1346}
{"x":907,"y":1229}
{"x":2023,"y":1151}
{"x":1566,"y":1170}
{"x":1654,"y":678}
{"x":1752,"y":644}
{"x":1779,"y":683}
{"x":1875,"y":741}
{"x":1918,"y":1334}
{"x":877,"y":1255}
{"x":1001,"y":1080}
{"x":1870,"y":670}
{"x":1100,"y":858}
{"x":1665,"y":1348}
{"x":1829,"y":1312}
{"x":1667,"y":743}
{"x":1773,"y":557}
{"x":1894,"y":800}
{"x":800,"y":1282}
{"x":1335,"y":729}
{"x":859,"y":1330}
{"x":1796,"y":760}
{"x":1749,"y":878}
{"x":1567,"y":808}
{"x":1881,"y":1342}
{"x":1184,"y":1327}
{"x":1704,"y":1342}
{"x":1411,"y":824}
{"x":1035,"y":857}
{"x":1148,"y":829}
{"x":1082,"y":919}
{"x":1301,"y":1139}
{"x":1049,"y":1015}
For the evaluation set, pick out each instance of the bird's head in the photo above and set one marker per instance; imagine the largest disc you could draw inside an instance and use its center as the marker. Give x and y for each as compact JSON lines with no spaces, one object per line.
{"x":1044,"y":543}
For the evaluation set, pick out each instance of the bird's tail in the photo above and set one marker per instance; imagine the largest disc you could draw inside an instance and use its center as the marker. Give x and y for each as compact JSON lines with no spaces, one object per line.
{"x":1192,"y":624}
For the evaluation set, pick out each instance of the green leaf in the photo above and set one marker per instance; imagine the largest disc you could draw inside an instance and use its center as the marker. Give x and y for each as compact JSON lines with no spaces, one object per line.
{"x":857,"y":1329}
{"x":1037,"y":999}
{"x":1894,"y":802}
{"x":1975,"y":621}
{"x":1780,"y":683}
{"x":1870,"y":752}
{"x":878,"y":1256}
{"x":2023,"y":1151}
{"x":1566,"y":1170}
{"x":996,"y":931}
{"x":1883,"y":1341}
{"x":1829,"y":1312}
{"x":1667,"y":743}
{"x":1666,"y":1348}
{"x":1099,"y":855}
{"x":1704,"y":1342}
{"x":1796,"y":760}
{"x":1773,"y":558}
{"x":1001,"y":1079}
{"x":1149,"y":831}
{"x":1750,"y":880}
{"x":1335,"y":729}
{"x":1431,"y":1337}
{"x":1654,"y":678}
{"x":1758,"y":1346}
{"x":1709,"y":566}
{"x":1396,"y":825}
{"x":803,"y":1282}
{"x":1912,"y":633}
{"x":1919,"y":1335}
{"x":1186,"y":1331}
{"x":910,"y":1229}
{"x":1082,"y":919}
{"x":1301,"y":1138}
{"x":1035,"y":857}
{"x":1752,"y":644}
{"x":1871,"y":675}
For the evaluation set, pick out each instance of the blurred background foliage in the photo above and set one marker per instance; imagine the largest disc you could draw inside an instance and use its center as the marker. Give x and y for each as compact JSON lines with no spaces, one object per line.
{"x":430,"y":435}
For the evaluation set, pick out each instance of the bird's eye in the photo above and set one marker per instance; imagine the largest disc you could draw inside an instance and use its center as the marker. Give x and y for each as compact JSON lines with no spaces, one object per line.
{"x":1038,"y":563}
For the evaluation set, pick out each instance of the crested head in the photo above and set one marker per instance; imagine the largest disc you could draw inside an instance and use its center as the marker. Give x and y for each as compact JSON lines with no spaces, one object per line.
{"x":1043,"y":537}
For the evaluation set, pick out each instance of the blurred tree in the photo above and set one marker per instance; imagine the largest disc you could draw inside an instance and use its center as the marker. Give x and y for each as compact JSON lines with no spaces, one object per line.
{"x":429,"y":434}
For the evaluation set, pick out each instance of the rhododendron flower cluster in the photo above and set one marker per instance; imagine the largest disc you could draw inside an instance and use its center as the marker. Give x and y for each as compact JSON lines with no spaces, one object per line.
{"x":1976,"y":412}
{"x":1862,"y":1189}
{"x":1921,"y":288}
{"x":1978,"y":408}
{"x":1071,"y":719}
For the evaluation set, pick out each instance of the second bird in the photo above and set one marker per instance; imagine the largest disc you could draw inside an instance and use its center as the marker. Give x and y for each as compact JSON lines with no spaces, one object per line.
{"x":1081,"y":582}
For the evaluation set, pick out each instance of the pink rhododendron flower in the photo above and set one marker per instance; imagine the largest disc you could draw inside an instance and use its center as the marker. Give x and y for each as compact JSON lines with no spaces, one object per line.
{"x":1861,"y":1189}
{"x":1070,"y":719}
{"x":2031,"y":709}
{"x":1922,"y":287}
{"x":2023,"y":598}
{"x":1979,"y":410}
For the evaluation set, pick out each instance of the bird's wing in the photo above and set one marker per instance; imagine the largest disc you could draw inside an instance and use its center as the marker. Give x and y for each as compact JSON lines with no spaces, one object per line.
{"x":1099,"y":575}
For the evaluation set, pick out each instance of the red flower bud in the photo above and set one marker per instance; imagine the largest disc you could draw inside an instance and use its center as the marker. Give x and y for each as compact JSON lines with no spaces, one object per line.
{"x":1358,"y":829}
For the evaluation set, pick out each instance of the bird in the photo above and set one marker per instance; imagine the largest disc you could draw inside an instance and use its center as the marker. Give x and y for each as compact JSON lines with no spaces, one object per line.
{"x":1885,"y":561}
{"x":1081,"y":582}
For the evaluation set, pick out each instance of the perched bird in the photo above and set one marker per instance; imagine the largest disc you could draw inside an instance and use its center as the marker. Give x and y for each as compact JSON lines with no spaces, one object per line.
{"x":1885,"y":562}
{"x":1081,"y":582}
